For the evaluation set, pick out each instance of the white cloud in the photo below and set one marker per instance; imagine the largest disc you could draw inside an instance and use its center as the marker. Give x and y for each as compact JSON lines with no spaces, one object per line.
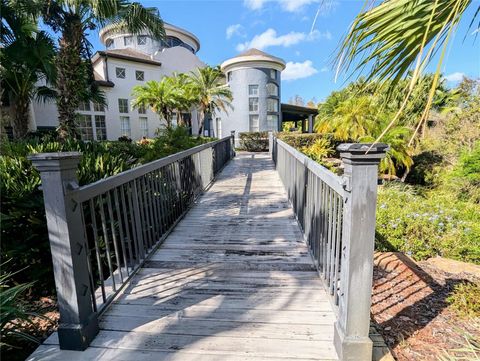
{"x":324,"y":69}
{"x":270,"y":38}
{"x":235,"y":29}
{"x":455,"y":77}
{"x":295,"y":5}
{"x":295,"y":71}
{"x":292,"y":6}
{"x":254,"y":4}
{"x":316,"y":34}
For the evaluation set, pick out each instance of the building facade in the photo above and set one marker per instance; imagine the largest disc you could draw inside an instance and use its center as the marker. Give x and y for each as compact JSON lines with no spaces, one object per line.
{"x":128,"y":60}
{"x":254,"y":77}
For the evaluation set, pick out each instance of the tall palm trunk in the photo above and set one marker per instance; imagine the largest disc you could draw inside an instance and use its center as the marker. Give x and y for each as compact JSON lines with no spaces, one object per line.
{"x":70,"y":76}
{"x":20,"y":119}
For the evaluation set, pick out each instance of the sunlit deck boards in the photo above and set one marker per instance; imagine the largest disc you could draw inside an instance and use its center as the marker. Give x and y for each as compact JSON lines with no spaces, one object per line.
{"x":233,"y":281}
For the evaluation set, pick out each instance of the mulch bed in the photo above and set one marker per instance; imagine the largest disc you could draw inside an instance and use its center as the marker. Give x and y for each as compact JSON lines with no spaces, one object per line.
{"x":410,"y":309}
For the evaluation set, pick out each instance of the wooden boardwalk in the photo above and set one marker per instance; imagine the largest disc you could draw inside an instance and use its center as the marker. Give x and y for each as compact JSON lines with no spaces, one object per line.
{"x":233,"y":281}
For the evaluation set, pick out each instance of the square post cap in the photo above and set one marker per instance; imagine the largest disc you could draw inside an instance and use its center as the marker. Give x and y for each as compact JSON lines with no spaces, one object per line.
{"x":361,"y":152}
{"x":48,"y":162}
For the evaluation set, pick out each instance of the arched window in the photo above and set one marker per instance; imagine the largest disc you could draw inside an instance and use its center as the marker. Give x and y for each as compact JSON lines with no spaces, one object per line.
{"x":272,"y":90}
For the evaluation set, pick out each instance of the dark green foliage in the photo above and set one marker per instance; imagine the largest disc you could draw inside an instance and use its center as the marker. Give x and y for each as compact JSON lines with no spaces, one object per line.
{"x":14,"y":310}
{"x":424,"y":166}
{"x":171,"y":141}
{"x":254,"y":141}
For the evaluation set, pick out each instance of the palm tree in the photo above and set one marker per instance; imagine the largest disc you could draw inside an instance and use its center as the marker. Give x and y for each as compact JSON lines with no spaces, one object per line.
{"x":396,"y":36}
{"x":73,"y":19}
{"x":210,"y":92}
{"x":350,"y":118}
{"x":26,"y":57}
{"x":163,"y":97}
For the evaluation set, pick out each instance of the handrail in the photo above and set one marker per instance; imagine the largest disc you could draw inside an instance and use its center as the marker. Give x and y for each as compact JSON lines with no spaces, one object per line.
{"x":102,"y":233}
{"x":337,"y":217}
{"x":90,"y":190}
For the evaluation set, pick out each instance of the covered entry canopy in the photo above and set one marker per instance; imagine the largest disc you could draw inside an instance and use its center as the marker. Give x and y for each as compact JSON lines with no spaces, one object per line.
{"x":296,"y":113}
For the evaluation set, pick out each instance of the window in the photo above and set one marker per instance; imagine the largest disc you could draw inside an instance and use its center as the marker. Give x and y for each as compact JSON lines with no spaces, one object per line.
{"x":139,"y":75}
{"x":98,"y":107}
{"x":272,"y":122}
{"x":109,"y":43}
{"x":144,"y":126}
{"x":142,"y":40}
{"x":125,"y":129}
{"x":84,"y":125}
{"x":253,"y":90}
{"x":142,"y":109}
{"x":254,"y":123}
{"x":273,"y":74}
{"x":229,"y":76}
{"x":128,"y":40}
{"x":100,"y":127}
{"x":84,"y":106}
{"x":253,"y":104}
{"x":272,"y":105}
{"x":120,"y":72}
{"x":272,"y":90}
{"x":123,"y":105}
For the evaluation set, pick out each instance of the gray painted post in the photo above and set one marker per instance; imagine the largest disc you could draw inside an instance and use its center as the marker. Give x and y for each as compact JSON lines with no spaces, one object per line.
{"x":270,"y":143}
{"x":310,"y":123}
{"x":352,"y":326}
{"x":232,"y":135}
{"x":78,"y":321}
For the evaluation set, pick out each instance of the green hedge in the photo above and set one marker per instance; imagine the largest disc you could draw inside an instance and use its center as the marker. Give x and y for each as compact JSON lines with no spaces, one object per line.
{"x":304,"y":140}
{"x":254,"y":141}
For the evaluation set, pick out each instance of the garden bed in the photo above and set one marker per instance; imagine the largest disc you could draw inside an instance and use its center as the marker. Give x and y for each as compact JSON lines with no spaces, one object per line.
{"x":417,"y":308}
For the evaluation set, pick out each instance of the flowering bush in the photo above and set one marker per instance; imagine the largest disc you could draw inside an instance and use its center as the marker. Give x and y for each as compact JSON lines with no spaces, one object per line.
{"x":427,"y":223}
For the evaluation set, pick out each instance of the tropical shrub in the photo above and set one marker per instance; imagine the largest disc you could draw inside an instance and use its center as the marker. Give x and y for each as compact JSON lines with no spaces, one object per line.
{"x":254,"y":141}
{"x":427,"y":223}
{"x":13,"y":309}
{"x":318,"y":150}
{"x":301,"y":140}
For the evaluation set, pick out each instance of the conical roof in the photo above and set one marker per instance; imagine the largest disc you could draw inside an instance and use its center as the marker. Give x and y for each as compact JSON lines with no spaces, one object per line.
{"x":253,"y":55}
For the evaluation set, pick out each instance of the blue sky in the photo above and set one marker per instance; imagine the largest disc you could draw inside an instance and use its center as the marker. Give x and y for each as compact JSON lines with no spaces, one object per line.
{"x":284,"y":28}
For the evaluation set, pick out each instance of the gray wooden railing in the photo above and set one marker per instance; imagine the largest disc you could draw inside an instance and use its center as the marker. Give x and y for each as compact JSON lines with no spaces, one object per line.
{"x":337,"y":216}
{"x":102,"y":233}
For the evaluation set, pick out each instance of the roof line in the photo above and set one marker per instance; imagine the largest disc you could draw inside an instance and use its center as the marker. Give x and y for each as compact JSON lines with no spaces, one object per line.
{"x":127,"y":57}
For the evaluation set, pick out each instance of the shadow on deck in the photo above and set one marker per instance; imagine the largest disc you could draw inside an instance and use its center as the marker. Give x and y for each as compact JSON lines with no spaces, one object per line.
{"x":234,"y":280}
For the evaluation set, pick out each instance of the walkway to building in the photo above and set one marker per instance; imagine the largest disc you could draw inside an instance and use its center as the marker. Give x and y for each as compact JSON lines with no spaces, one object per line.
{"x":233,"y":281}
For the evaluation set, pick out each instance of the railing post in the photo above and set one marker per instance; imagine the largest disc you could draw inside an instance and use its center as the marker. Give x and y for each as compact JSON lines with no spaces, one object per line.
{"x":270,"y":143}
{"x":78,"y":321}
{"x":232,"y":136}
{"x":360,"y":176}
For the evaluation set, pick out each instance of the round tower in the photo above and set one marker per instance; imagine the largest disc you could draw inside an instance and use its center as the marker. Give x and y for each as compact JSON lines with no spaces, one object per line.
{"x":254,"y":78}
{"x":175,"y":36}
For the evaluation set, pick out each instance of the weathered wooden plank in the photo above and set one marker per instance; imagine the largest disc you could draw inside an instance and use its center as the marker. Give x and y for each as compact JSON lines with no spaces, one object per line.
{"x":205,"y":327}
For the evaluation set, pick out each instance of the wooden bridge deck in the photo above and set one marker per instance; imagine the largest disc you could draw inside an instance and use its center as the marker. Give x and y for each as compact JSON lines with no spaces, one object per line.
{"x":233,"y":281}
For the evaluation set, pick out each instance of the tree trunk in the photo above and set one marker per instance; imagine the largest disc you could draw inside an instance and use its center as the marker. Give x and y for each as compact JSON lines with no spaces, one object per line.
{"x":70,"y":76}
{"x":21,"y":117}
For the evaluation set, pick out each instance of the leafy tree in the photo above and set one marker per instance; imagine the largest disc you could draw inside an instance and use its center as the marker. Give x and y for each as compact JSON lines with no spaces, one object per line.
{"x":210,"y":92}
{"x":73,"y":19}
{"x":163,"y":97}
{"x":26,"y":57}
{"x":396,"y":36}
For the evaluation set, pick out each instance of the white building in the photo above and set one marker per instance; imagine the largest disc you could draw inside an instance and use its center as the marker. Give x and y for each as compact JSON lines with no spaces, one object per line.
{"x":128,"y":60}
{"x":254,"y":78}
